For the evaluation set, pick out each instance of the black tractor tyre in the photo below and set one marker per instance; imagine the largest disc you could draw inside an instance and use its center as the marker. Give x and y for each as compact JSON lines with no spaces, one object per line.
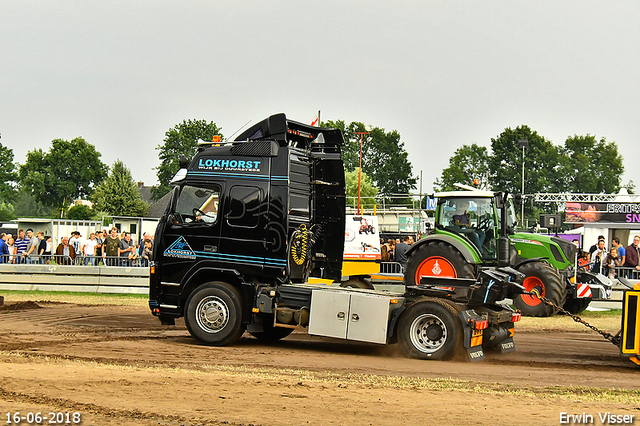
{"x":543,"y":278}
{"x":575,"y":306}
{"x":213,"y":314}
{"x":270,"y":333}
{"x":430,"y":329}
{"x":436,"y":258}
{"x":356,"y":283}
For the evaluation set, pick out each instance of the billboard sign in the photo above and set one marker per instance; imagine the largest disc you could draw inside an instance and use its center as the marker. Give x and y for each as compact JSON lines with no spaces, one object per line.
{"x":361,"y":238}
{"x":610,"y":212}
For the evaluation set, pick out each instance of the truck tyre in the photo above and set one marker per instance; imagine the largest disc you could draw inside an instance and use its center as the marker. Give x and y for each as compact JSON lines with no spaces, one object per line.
{"x":544,"y":278}
{"x":356,"y":283}
{"x":436,"y":259}
{"x":270,"y":333}
{"x":213,"y":314}
{"x":430,"y":330}
{"x":575,"y":306}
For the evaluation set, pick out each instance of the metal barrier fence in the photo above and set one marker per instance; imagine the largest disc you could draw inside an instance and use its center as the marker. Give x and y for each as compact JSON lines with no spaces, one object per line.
{"x":391,"y":268}
{"x":629,"y":272}
{"x":76,"y":261}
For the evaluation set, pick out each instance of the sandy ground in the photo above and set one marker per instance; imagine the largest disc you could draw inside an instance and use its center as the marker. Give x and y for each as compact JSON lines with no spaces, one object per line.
{"x":116,"y":365}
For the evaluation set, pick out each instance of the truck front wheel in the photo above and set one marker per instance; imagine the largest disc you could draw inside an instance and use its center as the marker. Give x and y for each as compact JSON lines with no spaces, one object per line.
{"x":543,"y":279}
{"x":430,"y":330}
{"x":213,"y":314}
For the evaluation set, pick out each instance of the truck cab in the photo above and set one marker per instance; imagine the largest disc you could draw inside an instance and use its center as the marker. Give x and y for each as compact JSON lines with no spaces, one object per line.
{"x":264,"y":208}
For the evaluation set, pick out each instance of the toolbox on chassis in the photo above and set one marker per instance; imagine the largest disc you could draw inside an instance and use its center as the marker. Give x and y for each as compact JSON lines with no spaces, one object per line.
{"x":251,"y":220}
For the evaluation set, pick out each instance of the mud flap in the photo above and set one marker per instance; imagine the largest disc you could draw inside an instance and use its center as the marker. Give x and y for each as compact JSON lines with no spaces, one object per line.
{"x":473,"y":325}
{"x":507,"y":345}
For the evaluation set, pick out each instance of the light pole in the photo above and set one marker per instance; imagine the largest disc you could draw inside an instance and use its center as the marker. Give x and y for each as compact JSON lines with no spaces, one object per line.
{"x":360,"y":170}
{"x":524,"y":144}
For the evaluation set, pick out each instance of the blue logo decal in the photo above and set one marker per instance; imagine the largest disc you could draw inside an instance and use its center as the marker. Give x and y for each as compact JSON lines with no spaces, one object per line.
{"x":180,"y":249}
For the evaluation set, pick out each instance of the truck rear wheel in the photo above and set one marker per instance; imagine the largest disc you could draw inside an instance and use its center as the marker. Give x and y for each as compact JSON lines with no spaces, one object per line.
{"x":436,"y":259}
{"x":213,"y":314}
{"x":356,"y":283}
{"x":544,"y":279}
{"x":430,"y":330}
{"x":270,"y":333}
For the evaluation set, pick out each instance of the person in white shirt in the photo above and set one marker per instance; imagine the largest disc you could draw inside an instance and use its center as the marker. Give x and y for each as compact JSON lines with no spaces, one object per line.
{"x":76,"y":242}
{"x":597,"y":257}
{"x":89,"y":250}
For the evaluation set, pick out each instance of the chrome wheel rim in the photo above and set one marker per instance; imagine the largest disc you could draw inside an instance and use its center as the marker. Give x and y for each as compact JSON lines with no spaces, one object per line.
{"x":428,"y":333}
{"x":212,"y":314}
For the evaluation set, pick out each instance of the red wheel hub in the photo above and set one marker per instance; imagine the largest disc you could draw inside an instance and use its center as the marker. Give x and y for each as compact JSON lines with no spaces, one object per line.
{"x":435,"y":266}
{"x":532,"y":283}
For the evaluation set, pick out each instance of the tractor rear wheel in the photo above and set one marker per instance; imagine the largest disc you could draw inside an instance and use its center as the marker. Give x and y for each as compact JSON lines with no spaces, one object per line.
{"x":436,"y":259}
{"x":545,"y":280}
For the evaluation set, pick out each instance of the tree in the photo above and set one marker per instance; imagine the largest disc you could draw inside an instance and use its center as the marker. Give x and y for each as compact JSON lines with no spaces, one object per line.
{"x":384,"y":158}
{"x":469,"y":162}
{"x":80,"y":212}
{"x":8,"y":175}
{"x":70,"y":170}
{"x":7,"y":211}
{"x":591,"y":166}
{"x":181,"y":139}
{"x":367,"y":191}
{"x":542,"y":163}
{"x":118,"y":195}
{"x":27,"y":206}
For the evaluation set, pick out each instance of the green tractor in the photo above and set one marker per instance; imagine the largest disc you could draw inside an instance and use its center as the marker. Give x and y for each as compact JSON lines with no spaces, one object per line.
{"x":475,"y":229}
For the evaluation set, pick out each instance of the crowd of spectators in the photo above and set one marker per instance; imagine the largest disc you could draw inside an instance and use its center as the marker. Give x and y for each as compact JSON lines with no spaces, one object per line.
{"x":395,"y":250}
{"x":109,"y":248}
{"x":613,"y":261}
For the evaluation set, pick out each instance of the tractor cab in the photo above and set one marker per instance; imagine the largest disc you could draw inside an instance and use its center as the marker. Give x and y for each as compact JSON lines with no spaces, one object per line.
{"x":475,"y":217}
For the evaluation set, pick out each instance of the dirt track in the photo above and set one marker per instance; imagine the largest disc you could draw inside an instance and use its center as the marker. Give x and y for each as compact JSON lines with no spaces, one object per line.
{"x":117,"y":366}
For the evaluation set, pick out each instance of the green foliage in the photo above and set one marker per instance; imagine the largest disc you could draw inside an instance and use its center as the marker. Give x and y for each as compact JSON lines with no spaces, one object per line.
{"x":26,"y":206}
{"x":70,"y":170}
{"x":468,"y":163}
{"x":118,"y":195}
{"x":180,"y":140}
{"x":591,"y":166}
{"x":8,"y":175}
{"x":543,"y":164}
{"x":7,"y":211}
{"x":367,"y":191}
{"x":583,"y":165}
{"x":80,"y":212}
{"x":384,"y":158}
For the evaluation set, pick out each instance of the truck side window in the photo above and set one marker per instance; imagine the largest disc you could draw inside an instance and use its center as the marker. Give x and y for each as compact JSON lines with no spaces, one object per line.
{"x":244,"y":206}
{"x":197,"y":205}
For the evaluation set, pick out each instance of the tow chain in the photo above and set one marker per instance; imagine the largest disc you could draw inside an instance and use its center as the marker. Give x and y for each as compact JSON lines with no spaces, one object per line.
{"x":610,"y":337}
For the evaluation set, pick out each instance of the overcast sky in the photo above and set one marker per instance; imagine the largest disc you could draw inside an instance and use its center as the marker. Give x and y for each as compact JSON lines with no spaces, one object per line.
{"x":442,"y":73}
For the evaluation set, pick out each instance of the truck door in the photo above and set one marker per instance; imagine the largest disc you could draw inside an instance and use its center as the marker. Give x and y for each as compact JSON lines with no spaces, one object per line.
{"x":244,"y":227}
{"x":192,"y":231}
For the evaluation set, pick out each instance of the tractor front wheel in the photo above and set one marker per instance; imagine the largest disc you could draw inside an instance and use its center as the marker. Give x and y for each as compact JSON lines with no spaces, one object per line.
{"x":545,"y":280}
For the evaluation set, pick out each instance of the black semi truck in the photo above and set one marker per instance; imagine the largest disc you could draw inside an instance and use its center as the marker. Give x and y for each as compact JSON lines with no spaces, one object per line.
{"x":251,"y":220}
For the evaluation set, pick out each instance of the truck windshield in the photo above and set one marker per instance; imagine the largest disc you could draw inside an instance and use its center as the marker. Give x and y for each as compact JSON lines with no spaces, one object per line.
{"x":197,"y":204}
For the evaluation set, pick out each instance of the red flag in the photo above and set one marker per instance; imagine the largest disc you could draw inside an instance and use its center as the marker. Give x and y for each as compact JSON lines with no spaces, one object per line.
{"x":316,"y":120}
